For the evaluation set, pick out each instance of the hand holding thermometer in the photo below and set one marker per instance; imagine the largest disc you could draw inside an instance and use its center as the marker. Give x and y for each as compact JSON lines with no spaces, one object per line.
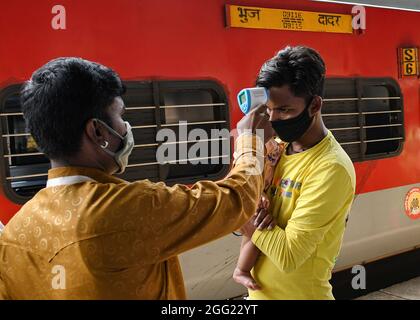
{"x":250,"y":98}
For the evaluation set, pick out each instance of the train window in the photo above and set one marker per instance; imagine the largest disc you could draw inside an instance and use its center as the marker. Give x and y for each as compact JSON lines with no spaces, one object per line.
{"x":150,"y":106}
{"x":24,"y":169}
{"x":365,"y":115}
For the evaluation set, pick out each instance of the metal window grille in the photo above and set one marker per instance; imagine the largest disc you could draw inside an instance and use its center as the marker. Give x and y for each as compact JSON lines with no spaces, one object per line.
{"x":365,"y":115}
{"x":150,"y":106}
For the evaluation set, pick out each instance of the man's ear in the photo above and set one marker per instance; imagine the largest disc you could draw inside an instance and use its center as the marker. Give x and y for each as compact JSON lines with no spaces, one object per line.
{"x":316,"y":105}
{"x":94,"y":131}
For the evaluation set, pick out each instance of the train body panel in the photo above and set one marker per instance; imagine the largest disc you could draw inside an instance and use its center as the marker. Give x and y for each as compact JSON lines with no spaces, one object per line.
{"x":376,"y":229}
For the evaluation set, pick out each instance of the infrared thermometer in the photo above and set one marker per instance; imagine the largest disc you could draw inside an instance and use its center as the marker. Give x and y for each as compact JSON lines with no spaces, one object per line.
{"x":249,"y":98}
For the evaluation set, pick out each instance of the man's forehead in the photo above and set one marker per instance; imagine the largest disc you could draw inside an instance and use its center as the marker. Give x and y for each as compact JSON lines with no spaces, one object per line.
{"x":283,"y":96}
{"x":281,"y":93}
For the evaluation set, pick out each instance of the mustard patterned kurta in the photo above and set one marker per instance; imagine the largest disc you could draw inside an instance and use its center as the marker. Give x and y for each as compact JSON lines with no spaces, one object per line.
{"x":110,"y":239}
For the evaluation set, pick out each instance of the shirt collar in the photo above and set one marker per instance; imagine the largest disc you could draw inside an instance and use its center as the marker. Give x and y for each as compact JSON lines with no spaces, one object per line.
{"x":93,"y":173}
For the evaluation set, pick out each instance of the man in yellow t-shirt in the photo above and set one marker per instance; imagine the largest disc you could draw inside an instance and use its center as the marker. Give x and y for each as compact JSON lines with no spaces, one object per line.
{"x":313,"y":185}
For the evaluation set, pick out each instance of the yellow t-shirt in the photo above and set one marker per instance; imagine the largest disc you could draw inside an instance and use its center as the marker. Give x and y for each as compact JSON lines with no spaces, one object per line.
{"x":311,"y":195}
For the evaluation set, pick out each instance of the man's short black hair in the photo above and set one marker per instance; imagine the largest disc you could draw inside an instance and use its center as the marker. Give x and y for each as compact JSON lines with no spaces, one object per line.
{"x":61,"y":97}
{"x":300,"y":67}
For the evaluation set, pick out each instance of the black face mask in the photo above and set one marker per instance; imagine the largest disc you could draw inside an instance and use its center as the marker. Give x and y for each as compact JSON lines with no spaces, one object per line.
{"x":292,"y":129}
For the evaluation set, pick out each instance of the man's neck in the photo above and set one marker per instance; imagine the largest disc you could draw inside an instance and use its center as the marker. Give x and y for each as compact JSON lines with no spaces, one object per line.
{"x":75,"y":162}
{"x":316,"y":132}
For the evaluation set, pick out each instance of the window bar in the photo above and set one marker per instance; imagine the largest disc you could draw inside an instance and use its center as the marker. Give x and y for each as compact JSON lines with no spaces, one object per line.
{"x":340,"y":114}
{"x":219,"y":104}
{"x":367,"y":127}
{"x":381,"y":98}
{"x":133,"y":127}
{"x":27,"y":176}
{"x":13,"y":155}
{"x":147,"y":145}
{"x":345,"y":128}
{"x":400,"y":105}
{"x":193,"y":123}
{"x":128,"y":166}
{"x":386,"y":139}
{"x":383,"y":126}
{"x":199,"y":158}
{"x":361,"y":119}
{"x":369,"y":141}
{"x":8,"y":114}
{"x":144,"y":126}
{"x":355,"y":99}
{"x":174,"y":161}
{"x":156,"y":101}
{"x":196,"y":141}
{"x":140,"y":108}
{"x":5,"y":144}
{"x":356,"y":113}
{"x":193,"y":105}
{"x":339,"y":99}
{"x":16,"y":135}
{"x":380,"y":112}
